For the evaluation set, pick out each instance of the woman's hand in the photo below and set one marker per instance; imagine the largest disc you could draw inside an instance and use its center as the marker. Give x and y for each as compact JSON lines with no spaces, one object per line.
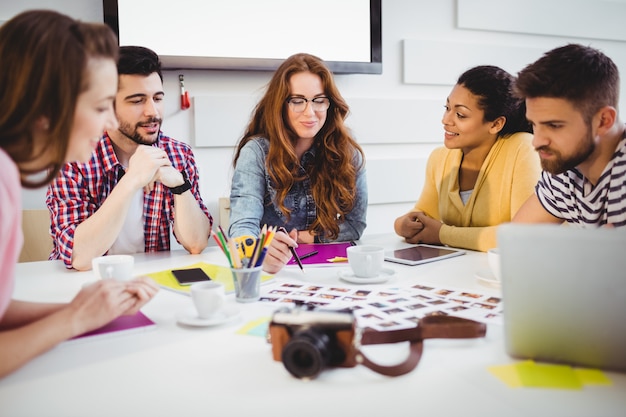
{"x":305,"y":236}
{"x":99,"y":303}
{"x":144,"y":289}
{"x":279,"y":252}
{"x":408,"y":226}
{"x":430,"y":230}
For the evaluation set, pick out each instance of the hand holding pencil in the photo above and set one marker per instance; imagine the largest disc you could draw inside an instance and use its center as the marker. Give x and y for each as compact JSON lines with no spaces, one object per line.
{"x":292,"y":249}
{"x":279,"y":251}
{"x":272,"y":249}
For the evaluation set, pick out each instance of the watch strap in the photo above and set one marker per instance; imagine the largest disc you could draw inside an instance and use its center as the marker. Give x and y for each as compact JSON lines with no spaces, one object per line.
{"x":183,"y":187}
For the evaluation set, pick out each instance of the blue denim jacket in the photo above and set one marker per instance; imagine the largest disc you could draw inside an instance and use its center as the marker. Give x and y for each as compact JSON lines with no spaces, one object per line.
{"x":252,"y":198}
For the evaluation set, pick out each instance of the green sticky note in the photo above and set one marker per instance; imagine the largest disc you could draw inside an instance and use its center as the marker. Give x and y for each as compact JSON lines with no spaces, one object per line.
{"x":592,"y":376}
{"x":255,"y":328}
{"x":548,"y":376}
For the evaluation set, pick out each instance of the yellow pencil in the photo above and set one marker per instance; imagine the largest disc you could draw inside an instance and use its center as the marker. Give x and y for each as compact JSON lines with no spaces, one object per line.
{"x":234,"y":253}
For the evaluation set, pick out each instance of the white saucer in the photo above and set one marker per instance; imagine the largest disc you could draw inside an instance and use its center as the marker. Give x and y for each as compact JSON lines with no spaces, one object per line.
{"x":486,"y":277}
{"x":348,"y":276}
{"x":190,"y":317}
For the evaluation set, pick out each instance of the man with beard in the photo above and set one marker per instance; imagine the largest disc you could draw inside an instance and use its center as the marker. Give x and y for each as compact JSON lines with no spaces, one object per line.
{"x":572,"y":95}
{"x":138,"y":183}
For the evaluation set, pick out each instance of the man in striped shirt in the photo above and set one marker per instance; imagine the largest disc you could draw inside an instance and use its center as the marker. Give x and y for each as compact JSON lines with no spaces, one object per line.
{"x":139,"y":184}
{"x":572,"y":95}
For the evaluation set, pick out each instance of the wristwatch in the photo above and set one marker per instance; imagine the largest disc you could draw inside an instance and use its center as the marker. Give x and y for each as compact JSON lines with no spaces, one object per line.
{"x":183,"y":187}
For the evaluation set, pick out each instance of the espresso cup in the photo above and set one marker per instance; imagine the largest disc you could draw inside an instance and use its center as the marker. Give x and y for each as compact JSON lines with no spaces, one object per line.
{"x":366,"y":261}
{"x":493,"y":259}
{"x":208,"y":297}
{"x":119,"y":267}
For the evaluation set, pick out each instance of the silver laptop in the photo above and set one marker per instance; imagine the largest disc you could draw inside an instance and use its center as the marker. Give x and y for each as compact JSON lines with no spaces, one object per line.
{"x":564,"y":294}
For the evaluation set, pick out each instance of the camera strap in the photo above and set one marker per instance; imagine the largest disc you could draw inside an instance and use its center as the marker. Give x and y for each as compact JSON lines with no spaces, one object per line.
{"x":430,"y":327}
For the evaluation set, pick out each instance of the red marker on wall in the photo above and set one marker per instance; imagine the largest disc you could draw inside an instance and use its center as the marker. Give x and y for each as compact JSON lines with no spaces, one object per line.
{"x":184,"y":96}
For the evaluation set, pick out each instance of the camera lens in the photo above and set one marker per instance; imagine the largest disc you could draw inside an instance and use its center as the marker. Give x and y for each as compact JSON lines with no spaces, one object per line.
{"x":307,"y":353}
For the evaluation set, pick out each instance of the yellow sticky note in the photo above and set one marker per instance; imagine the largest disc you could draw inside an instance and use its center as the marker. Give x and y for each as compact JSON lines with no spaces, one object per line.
{"x":592,"y":376}
{"x":337,"y":259}
{"x":548,"y":376}
{"x":507,"y":374}
{"x":217,"y":273}
{"x":531,"y":374}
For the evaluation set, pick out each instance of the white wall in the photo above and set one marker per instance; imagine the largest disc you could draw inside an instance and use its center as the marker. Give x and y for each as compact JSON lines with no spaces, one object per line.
{"x":396,"y":115}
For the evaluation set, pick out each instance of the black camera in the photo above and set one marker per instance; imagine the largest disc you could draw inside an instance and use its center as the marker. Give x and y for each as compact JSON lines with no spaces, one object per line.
{"x":307,"y":341}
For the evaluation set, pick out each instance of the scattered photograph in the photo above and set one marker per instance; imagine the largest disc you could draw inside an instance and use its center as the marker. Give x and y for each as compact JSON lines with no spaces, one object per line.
{"x":391,"y":308}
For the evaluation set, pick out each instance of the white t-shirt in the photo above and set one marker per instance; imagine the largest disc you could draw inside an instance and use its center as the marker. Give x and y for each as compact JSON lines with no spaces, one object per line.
{"x":465,"y":196}
{"x":131,"y":238}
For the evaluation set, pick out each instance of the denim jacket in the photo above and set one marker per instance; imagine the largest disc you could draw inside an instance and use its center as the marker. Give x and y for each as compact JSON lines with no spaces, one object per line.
{"x":252,"y":197}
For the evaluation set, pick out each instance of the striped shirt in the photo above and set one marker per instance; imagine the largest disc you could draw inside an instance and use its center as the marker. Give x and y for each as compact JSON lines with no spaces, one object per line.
{"x":571,"y":197}
{"x":81,"y":188}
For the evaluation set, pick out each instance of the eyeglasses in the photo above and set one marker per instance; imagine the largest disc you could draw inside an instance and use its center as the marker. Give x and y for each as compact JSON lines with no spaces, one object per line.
{"x":298,"y":104}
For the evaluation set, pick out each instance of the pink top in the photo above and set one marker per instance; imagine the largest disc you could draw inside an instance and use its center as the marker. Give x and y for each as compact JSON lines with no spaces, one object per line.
{"x":10,"y":227}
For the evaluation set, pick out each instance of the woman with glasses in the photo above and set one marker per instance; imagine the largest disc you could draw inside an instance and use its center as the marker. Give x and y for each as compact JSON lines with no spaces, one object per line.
{"x":484,"y":173}
{"x":297,"y":165}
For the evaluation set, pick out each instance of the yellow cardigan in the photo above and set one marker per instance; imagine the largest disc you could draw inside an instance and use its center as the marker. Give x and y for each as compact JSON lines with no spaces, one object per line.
{"x":506,"y":179}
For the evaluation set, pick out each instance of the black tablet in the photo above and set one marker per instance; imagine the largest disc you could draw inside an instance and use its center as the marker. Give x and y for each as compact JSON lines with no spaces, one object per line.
{"x":420,"y":254}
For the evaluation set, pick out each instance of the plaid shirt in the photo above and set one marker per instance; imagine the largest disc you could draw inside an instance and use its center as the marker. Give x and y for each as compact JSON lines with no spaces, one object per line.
{"x":80,"y":189}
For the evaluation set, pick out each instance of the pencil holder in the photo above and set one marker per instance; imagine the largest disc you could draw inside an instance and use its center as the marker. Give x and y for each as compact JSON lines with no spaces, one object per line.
{"x":247,"y":284}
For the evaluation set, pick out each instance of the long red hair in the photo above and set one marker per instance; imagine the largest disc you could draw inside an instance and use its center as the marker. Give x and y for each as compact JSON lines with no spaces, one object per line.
{"x":333,"y":174}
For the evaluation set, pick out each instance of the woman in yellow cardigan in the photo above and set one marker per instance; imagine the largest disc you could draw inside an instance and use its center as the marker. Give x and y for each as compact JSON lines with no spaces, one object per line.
{"x":486,"y":170}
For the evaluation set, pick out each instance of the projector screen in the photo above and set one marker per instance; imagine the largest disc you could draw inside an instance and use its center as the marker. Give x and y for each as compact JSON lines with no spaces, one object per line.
{"x":252,"y":34}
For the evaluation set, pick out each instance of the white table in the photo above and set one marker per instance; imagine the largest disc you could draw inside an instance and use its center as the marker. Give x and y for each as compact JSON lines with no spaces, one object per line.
{"x":181,"y":371}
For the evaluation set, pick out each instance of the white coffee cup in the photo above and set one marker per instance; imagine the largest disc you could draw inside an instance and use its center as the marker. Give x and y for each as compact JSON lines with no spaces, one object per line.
{"x":208,"y":297}
{"x":366,"y":261}
{"x":493,"y":259}
{"x":119,"y":267}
